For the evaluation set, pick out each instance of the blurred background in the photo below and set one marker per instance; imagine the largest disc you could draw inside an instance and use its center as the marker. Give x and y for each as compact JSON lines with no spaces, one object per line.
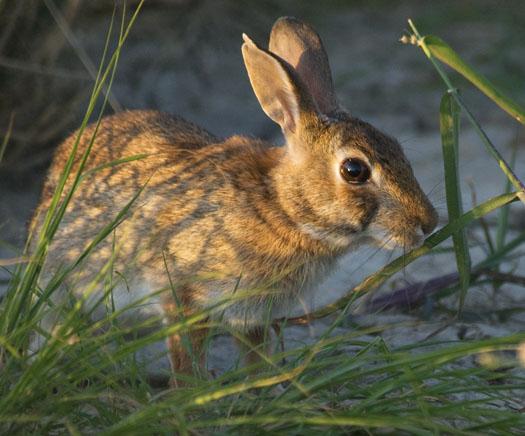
{"x":183,"y":56}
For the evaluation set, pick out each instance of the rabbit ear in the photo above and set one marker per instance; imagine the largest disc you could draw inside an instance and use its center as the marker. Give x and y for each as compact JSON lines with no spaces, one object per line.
{"x":280,"y":93}
{"x":299,"y":44}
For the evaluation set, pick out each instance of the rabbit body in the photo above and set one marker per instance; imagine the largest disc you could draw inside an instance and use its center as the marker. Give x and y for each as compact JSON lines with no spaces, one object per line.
{"x":218,"y":217}
{"x":208,"y":207}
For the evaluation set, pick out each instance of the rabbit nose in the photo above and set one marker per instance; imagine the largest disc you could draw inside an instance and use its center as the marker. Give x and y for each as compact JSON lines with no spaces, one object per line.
{"x":429,"y":223}
{"x":427,"y":229}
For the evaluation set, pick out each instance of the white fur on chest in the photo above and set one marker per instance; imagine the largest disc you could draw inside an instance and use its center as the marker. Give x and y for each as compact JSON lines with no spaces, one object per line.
{"x":138,"y":299}
{"x":291,"y":296}
{"x":134,"y":302}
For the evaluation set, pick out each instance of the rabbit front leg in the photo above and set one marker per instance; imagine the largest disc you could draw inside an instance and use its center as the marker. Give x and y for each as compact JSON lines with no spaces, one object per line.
{"x":259,"y":346}
{"x":185,"y":349}
{"x":254,"y":345}
{"x":186,"y":355}
{"x":39,"y":337}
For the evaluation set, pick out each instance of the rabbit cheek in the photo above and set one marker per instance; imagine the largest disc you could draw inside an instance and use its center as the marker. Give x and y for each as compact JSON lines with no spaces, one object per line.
{"x":368,"y":211}
{"x":379,"y":224}
{"x":359,"y":208}
{"x":393,"y":229}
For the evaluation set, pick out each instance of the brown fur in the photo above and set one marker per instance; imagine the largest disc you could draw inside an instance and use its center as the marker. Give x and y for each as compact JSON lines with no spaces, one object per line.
{"x":217,"y":215}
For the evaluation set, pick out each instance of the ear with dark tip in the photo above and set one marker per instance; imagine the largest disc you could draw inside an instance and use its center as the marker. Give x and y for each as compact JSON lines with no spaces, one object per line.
{"x":299,"y":44}
{"x":279,"y":91}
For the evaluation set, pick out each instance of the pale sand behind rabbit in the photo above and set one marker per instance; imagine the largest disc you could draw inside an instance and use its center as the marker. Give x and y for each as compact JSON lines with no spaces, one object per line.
{"x":216,"y":216}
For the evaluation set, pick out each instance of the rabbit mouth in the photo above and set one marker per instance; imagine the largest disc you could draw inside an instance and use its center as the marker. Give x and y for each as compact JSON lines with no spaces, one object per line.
{"x":406,"y":240}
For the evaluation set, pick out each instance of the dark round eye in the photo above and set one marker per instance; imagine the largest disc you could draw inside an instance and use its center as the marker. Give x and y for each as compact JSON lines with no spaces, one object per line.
{"x":355,"y":171}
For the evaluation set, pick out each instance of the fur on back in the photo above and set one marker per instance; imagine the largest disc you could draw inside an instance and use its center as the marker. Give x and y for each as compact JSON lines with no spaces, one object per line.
{"x":209,"y":218}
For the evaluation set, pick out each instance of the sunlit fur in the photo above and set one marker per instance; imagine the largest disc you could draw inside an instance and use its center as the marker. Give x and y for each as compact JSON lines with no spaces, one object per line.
{"x":236,"y":215}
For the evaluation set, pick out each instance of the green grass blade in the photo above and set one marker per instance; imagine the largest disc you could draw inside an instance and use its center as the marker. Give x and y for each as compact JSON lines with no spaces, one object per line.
{"x":112,"y":164}
{"x":22,"y":287}
{"x":503,"y":217}
{"x":433,"y":240}
{"x":442,"y":51}
{"x":378,"y":278}
{"x":87,"y":378}
{"x":320,"y":421}
{"x":449,"y":124}
{"x":61,"y":197}
{"x":493,"y":151}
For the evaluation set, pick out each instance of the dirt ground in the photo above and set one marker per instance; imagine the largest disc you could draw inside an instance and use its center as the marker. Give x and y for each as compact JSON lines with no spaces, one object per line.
{"x":184,"y":57}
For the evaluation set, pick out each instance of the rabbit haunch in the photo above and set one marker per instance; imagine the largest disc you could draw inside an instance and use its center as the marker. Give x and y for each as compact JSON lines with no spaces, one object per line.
{"x":238,"y":218}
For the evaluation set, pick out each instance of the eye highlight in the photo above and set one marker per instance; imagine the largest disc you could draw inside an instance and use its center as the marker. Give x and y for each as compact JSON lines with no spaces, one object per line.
{"x":354,"y":170}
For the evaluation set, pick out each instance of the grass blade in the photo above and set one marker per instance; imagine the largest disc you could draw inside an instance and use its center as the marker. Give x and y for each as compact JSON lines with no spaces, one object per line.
{"x":503,"y":217}
{"x":379,"y":277}
{"x":449,"y":124}
{"x":493,"y":151}
{"x":442,"y":51}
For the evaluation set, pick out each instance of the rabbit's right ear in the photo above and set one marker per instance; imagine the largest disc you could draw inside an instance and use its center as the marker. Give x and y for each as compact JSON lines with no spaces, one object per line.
{"x":279,"y":91}
{"x":299,"y":44}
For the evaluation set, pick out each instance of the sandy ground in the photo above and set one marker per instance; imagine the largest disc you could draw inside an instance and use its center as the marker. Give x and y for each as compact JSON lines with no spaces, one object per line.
{"x":378,"y":79}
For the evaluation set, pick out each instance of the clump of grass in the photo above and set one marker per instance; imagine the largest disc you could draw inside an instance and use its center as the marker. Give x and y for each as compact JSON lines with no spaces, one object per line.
{"x":87,"y":378}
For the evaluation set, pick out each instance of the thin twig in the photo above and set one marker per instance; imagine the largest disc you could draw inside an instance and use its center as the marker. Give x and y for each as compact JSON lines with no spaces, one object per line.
{"x":10,"y":24}
{"x":505,"y":277}
{"x":415,"y":294}
{"x":13,"y":261}
{"x":81,"y":52}
{"x":62,"y":73}
{"x":482,"y":220}
{"x":412,"y":295}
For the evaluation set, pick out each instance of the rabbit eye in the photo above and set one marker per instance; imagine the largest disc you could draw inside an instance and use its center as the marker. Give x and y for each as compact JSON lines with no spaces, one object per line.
{"x":355,"y":171}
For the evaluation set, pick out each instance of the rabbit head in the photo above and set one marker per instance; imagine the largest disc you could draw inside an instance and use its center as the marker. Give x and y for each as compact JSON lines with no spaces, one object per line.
{"x":341,"y":180}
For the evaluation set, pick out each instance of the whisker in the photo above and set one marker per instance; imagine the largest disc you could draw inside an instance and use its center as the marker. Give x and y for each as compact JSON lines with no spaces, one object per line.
{"x":409,"y":139}
{"x":437,"y":185}
{"x":370,"y":256}
{"x":404,"y":254}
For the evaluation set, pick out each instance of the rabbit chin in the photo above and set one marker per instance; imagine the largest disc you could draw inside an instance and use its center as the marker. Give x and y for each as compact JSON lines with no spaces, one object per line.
{"x":374,"y":235}
{"x":382,"y":238}
{"x":328,"y":236}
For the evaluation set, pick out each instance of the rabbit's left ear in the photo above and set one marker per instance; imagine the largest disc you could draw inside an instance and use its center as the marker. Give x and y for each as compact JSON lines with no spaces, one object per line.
{"x":280,"y":92}
{"x":299,"y":44}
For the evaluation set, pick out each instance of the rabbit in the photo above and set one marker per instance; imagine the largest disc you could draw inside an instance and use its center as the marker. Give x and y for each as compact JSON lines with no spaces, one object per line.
{"x":216,"y":216}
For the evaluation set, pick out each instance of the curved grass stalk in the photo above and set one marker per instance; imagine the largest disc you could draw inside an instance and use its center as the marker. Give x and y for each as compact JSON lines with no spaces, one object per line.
{"x":449,"y":125}
{"x":378,"y":278}
{"x":434,"y":49}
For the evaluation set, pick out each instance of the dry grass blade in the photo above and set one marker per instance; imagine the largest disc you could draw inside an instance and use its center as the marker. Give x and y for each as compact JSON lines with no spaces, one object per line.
{"x":13,"y":261}
{"x":7,"y":135}
{"x":82,"y":54}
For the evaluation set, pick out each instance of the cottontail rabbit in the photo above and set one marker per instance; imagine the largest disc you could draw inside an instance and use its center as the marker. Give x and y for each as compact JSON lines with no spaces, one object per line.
{"x":219,"y":215}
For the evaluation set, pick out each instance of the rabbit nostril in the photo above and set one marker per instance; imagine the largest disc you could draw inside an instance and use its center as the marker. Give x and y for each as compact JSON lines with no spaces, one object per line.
{"x":428,"y":221}
{"x":426,"y":228}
